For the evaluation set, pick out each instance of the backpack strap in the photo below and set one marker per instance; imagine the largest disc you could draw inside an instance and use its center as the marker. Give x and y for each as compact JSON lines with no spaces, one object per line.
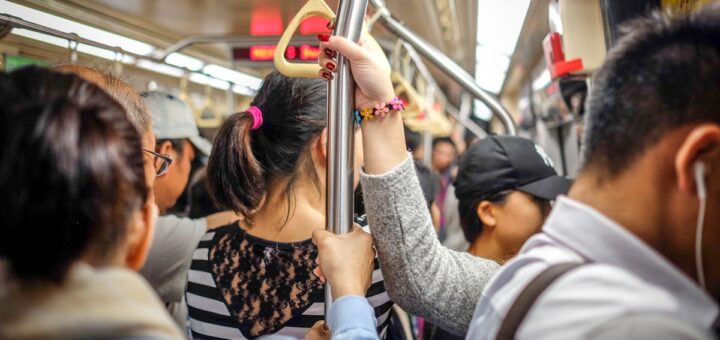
{"x":528,"y":296}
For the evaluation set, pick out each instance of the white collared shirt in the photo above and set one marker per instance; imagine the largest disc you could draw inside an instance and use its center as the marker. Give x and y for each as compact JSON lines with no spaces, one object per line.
{"x":625,"y":278}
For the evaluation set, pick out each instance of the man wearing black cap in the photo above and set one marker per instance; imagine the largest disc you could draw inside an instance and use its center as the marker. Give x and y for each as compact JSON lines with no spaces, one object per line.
{"x":504,"y":187}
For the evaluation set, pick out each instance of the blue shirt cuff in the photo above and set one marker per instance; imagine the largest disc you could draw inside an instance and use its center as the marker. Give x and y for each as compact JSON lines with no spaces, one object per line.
{"x":351,"y":312}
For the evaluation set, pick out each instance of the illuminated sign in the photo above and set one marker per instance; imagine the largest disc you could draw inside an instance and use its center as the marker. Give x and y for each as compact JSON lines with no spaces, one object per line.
{"x":264,"y":53}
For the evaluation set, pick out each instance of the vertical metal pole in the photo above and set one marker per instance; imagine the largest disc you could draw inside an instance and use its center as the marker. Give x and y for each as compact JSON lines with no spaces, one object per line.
{"x":427,"y":148}
{"x":341,"y":129}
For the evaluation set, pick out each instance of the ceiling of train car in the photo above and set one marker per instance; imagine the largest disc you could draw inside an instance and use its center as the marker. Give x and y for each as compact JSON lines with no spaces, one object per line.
{"x":176,"y":19}
{"x":193,"y":17}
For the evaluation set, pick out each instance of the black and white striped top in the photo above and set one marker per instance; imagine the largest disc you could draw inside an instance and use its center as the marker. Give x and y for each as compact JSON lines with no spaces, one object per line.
{"x":237,"y":285}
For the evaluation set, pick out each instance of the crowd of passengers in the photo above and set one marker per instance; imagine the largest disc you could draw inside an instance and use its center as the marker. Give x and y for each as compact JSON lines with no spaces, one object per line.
{"x":91,"y":170}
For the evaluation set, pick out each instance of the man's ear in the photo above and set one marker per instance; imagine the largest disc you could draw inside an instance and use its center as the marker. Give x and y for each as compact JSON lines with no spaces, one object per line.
{"x":486,"y":212}
{"x":702,"y":144}
{"x":140,"y":235}
{"x":164,"y":147}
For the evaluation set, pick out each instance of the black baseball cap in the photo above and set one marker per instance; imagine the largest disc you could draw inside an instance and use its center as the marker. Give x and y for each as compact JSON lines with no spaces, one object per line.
{"x":500,"y":163}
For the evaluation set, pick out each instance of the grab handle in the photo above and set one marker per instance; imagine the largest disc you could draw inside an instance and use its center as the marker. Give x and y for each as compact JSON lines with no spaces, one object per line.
{"x":297,"y":70}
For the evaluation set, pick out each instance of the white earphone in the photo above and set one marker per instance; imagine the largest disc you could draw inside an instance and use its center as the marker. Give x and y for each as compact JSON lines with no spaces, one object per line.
{"x":699,"y":170}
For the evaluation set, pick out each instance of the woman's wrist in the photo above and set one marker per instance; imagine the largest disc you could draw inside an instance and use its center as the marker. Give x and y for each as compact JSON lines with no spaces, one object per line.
{"x":378,"y":109}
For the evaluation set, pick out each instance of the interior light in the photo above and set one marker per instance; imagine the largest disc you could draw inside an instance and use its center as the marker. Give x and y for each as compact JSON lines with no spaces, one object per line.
{"x":232,"y":76}
{"x":314,"y":25}
{"x":85,"y":31}
{"x":184,"y":61}
{"x":266,"y":20}
{"x":176,"y":60}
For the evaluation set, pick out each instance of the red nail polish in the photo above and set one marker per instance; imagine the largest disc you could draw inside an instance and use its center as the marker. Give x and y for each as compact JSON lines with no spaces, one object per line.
{"x":323,"y":37}
{"x":326,"y":75}
{"x":329,"y":53}
{"x":330,"y":66}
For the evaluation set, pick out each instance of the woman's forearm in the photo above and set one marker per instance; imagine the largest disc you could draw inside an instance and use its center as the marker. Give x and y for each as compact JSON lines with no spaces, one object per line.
{"x":421,"y":275}
{"x":383,"y":143}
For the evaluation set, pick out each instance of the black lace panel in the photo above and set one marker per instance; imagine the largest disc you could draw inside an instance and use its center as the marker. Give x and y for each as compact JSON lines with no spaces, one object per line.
{"x":264,"y":284}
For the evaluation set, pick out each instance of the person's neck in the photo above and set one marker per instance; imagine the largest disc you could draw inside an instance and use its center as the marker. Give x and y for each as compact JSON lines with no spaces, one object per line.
{"x":277,"y":221}
{"x":486,"y":247}
{"x":635,"y":200}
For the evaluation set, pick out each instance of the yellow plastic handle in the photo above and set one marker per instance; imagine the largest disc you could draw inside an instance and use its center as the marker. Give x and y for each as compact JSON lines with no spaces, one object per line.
{"x":296,"y":70}
{"x":415,"y":103}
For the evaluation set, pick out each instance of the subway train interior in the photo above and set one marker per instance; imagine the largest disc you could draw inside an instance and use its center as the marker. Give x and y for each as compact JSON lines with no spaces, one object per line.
{"x":360,"y":169}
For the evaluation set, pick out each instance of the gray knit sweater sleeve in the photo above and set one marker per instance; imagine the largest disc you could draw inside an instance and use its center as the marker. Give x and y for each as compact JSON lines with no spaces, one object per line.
{"x":421,"y":275}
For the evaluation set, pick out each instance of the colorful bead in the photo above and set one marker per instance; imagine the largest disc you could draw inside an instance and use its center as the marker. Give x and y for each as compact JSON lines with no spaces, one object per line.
{"x":367,"y":113}
{"x":397,"y":104}
{"x":380,"y":109}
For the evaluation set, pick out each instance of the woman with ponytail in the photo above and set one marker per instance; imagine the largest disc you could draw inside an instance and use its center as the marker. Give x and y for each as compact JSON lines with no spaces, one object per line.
{"x":258,"y":276}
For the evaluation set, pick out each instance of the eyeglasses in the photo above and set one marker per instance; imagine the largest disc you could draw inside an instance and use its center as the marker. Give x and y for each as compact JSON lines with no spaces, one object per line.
{"x":161,"y":162}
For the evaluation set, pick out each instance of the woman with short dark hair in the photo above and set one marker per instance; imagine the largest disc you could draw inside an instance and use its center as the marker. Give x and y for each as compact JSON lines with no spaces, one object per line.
{"x":77,"y":213}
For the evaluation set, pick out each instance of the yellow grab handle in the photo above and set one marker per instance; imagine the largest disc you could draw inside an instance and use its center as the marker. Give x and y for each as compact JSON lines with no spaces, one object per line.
{"x":297,"y":70}
{"x":310,"y":9}
{"x":415,"y":103}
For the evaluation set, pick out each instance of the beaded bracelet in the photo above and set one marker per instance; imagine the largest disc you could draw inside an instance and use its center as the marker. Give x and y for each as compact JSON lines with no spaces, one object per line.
{"x":380,"y":109}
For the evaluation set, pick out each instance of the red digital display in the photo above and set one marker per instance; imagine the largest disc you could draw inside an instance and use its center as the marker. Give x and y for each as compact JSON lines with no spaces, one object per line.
{"x":308,"y":52}
{"x":258,"y":53}
{"x":262,"y":52}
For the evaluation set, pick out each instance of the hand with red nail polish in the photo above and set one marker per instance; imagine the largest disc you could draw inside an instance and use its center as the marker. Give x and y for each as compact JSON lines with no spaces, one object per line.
{"x":330,"y":66}
{"x":369,"y":70}
{"x":323,"y":37}
{"x":329,"y":53}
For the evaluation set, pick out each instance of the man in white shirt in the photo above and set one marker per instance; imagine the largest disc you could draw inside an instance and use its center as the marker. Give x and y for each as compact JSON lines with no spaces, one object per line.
{"x":643,"y":217}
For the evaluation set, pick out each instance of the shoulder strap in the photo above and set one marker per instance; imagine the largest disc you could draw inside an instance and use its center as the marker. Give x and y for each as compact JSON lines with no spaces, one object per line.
{"x":528,"y":296}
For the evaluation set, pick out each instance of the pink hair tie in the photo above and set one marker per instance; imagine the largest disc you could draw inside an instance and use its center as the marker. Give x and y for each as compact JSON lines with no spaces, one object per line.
{"x":257,"y":116}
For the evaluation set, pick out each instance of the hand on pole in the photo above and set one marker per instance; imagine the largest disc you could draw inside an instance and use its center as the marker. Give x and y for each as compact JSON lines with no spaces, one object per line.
{"x":383,"y":139}
{"x":346,"y":261}
{"x":370,"y":71}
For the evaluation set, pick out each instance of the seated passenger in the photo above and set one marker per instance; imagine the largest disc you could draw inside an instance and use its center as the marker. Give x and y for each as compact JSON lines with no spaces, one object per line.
{"x":175,"y":238}
{"x":652,"y":144}
{"x":80,"y":217}
{"x":255,"y":277}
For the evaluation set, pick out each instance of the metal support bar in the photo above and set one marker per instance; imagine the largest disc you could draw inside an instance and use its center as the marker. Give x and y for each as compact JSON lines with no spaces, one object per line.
{"x":341,"y":129}
{"x":446,"y":64}
{"x":240,"y":41}
{"x":15,"y":22}
{"x":20,"y":23}
{"x":461,"y":116}
{"x":467,"y":123}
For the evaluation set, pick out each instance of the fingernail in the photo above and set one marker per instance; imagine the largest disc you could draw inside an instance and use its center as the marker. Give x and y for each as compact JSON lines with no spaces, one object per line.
{"x":323,"y":37}
{"x":326,"y":75}
{"x":330,"y":66}
{"x":329,"y":53}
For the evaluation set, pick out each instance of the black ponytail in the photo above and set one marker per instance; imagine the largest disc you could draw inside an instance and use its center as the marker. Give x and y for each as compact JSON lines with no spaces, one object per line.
{"x":234,"y":175}
{"x":245,"y":161}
